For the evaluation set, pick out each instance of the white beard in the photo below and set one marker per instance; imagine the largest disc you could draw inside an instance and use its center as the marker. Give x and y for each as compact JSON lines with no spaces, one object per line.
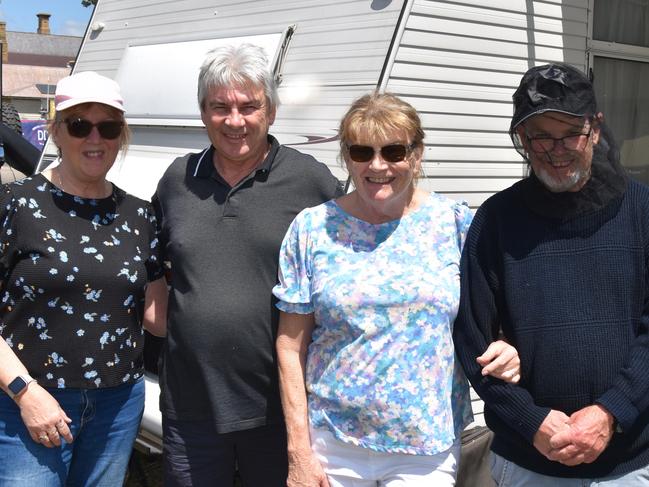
{"x":564,"y":184}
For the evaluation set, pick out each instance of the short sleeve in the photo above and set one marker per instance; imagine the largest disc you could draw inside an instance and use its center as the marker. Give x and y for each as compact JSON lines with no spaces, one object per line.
{"x":463,"y":219}
{"x":294,"y":287}
{"x":8,"y":210}
{"x":153,"y":264}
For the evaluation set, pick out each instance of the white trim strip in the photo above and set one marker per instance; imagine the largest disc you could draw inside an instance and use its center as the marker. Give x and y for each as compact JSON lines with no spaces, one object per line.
{"x":198,"y":164}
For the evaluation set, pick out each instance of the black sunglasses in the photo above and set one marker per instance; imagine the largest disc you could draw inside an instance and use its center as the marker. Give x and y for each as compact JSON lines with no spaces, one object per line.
{"x":389,"y":153}
{"x":80,"y":128}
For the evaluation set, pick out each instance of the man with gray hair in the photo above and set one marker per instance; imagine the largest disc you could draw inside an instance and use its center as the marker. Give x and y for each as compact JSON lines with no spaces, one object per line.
{"x":224,"y":212}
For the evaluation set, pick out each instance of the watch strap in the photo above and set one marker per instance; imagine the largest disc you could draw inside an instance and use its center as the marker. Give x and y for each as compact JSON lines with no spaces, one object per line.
{"x":19,"y":385}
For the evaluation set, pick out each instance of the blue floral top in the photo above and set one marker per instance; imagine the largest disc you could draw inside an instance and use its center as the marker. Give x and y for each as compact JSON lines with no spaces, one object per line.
{"x":73,"y":272}
{"x":381,"y":369}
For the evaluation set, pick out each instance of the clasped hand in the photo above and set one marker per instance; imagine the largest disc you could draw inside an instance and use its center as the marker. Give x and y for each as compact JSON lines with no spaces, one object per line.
{"x":579,"y":438}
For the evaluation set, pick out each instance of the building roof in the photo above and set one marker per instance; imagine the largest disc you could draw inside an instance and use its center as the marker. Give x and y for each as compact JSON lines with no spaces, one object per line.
{"x":41,"y":60}
{"x":48,"y":44}
{"x":37,"y":61}
{"x":20,"y":81}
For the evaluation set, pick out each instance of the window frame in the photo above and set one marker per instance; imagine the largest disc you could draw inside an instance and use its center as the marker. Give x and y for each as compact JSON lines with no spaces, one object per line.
{"x":608,"y":49}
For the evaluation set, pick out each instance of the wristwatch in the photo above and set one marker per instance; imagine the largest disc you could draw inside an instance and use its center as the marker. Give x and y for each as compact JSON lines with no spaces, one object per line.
{"x":617,"y":428}
{"x":19,"y":384}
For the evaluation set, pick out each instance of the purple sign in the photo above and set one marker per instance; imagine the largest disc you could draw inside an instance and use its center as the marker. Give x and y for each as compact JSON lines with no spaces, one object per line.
{"x":35,"y":131}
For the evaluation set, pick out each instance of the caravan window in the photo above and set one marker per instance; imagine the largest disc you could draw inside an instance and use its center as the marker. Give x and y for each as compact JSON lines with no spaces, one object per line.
{"x":620,"y":63}
{"x":159,"y":81}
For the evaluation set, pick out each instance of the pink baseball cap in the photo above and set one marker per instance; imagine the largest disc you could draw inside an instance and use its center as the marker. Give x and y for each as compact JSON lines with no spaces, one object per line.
{"x":87,"y":87}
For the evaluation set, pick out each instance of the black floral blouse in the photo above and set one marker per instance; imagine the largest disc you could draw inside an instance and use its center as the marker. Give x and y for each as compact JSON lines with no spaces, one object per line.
{"x":73,"y":274}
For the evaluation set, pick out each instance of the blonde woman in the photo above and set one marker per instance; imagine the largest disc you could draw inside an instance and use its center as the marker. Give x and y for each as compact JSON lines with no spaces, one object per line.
{"x":369,"y":290}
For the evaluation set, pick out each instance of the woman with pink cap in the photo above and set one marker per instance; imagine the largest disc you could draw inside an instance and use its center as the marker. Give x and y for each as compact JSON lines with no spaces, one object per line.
{"x":78,"y":274}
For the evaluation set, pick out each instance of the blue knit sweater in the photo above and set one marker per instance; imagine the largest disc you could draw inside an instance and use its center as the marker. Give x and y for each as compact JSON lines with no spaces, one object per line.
{"x":572,"y":295}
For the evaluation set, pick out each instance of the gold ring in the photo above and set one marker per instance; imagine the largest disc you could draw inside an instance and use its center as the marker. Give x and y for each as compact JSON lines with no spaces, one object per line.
{"x":43,"y":438}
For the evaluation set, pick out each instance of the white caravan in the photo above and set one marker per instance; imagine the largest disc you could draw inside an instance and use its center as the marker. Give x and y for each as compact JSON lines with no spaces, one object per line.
{"x":457,"y":61}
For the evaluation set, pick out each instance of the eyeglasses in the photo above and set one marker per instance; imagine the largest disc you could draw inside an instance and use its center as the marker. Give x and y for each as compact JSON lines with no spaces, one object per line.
{"x":80,"y":128}
{"x":571,"y":142}
{"x":389,"y":153}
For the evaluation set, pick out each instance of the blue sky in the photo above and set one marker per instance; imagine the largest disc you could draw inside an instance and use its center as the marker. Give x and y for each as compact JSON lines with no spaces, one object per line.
{"x":69,"y":17}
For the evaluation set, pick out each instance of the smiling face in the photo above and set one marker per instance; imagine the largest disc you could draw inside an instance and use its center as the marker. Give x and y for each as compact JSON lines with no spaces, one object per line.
{"x":237,"y":121}
{"x":560,"y":168}
{"x":87,"y":159}
{"x":384,"y":188}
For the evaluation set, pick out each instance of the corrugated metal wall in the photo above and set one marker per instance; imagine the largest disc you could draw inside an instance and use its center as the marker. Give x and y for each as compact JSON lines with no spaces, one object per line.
{"x":459,"y":63}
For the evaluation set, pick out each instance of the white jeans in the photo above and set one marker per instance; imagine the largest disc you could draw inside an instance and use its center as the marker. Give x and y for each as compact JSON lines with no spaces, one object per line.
{"x":352,"y":466}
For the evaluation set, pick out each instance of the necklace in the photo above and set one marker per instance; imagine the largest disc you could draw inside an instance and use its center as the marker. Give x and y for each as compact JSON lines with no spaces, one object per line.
{"x":59,"y":183}
{"x":58,"y":176}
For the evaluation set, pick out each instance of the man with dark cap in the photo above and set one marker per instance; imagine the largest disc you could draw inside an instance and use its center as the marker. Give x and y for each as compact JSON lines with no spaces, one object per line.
{"x":559,"y":264}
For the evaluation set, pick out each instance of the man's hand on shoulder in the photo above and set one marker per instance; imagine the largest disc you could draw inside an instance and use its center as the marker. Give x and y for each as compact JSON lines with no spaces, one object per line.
{"x":590,"y":431}
{"x":554,"y":423}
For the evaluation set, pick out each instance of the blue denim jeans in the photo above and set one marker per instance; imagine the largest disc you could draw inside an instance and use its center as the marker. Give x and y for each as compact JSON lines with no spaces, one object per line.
{"x":508,"y":474}
{"x":104,"y":425}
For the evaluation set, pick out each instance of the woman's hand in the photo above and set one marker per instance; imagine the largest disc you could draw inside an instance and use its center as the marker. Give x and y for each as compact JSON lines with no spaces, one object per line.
{"x":501,"y":361}
{"x":304,"y":470}
{"x":293,"y":338}
{"x":43,"y":416}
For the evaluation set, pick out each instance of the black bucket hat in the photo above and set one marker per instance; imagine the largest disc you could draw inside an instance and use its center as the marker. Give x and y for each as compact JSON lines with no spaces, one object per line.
{"x":555,"y":87}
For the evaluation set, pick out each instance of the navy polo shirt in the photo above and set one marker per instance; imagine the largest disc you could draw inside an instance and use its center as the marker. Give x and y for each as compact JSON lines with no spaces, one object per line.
{"x":222,"y":245}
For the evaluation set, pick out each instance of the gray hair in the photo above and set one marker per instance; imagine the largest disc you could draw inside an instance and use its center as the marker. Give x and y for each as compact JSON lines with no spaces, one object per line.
{"x":242,"y":65}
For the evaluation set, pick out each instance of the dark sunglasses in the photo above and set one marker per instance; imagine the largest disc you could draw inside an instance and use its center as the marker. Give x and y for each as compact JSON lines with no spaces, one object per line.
{"x":389,"y":153}
{"x":80,"y":128}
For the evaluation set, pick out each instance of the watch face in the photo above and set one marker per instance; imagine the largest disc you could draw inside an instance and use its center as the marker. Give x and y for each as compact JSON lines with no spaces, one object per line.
{"x":17,"y":385}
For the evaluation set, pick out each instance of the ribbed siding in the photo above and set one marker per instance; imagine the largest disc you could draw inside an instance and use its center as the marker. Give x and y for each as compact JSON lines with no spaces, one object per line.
{"x":459,"y":63}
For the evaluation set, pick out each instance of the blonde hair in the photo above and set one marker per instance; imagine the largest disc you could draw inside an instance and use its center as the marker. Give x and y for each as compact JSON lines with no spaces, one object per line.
{"x":377,"y":115}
